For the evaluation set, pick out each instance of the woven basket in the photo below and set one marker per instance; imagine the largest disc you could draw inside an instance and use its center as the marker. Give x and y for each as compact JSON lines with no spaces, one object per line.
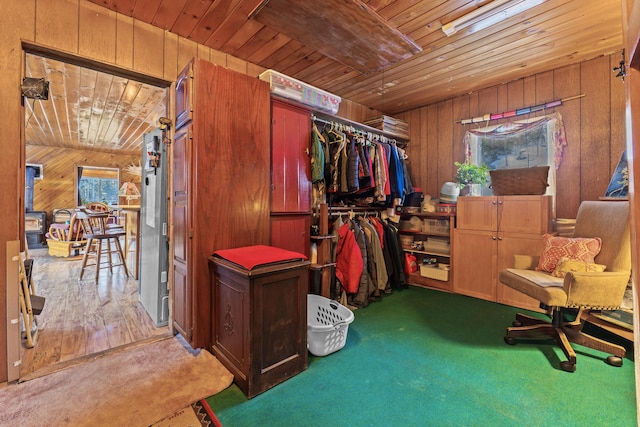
{"x":511,"y":182}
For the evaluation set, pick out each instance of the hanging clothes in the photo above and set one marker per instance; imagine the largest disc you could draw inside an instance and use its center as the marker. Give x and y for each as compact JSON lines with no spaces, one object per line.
{"x":336,"y":142}
{"x":353,"y":164}
{"x":349,"y":263}
{"x":396,"y":173}
{"x":395,"y":268}
{"x":365,"y":287}
{"x":364,"y":167}
{"x":378,"y":270}
{"x":317,"y":155}
{"x":408,"y":186}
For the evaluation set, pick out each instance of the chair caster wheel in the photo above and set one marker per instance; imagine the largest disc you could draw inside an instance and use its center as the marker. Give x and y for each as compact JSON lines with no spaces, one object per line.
{"x":510,"y":340}
{"x":516,"y":324}
{"x":567,"y":366}
{"x":614,"y":361}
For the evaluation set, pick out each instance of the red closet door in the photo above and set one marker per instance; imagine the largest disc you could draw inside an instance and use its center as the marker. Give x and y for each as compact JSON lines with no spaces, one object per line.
{"x":290,"y":164}
{"x":291,"y":232}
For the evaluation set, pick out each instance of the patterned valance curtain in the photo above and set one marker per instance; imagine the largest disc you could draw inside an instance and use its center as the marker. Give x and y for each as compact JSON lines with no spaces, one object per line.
{"x":537,"y":141}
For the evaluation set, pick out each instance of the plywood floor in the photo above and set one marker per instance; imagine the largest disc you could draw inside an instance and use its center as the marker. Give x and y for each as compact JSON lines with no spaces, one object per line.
{"x":82,"y":317}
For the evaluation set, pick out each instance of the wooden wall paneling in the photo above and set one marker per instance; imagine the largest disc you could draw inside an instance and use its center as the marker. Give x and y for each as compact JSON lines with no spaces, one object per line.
{"x":236,"y":64}
{"x":487,"y":103}
{"x":544,"y":89}
{"x":96,"y":26}
{"x":431,"y":150}
{"x":595,"y":151}
{"x":57,"y":24}
{"x":57,"y":189}
{"x":219,"y":58}
{"x":618,"y":111}
{"x":187,"y":49}
{"x":503,"y":99}
{"x":460,"y":111}
{"x":418,"y":155}
{"x":204,"y":52}
{"x":566,"y":83}
{"x":252,"y":69}
{"x":515,"y":93}
{"x":540,"y":88}
{"x":124,"y":41}
{"x":444,"y":152}
{"x":147,"y":49}
{"x":631,"y":22}
{"x":170,"y":65}
{"x":17,"y":25}
{"x":419,"y":146}
{"x":529,"y":91}
{"x":416,"y":160}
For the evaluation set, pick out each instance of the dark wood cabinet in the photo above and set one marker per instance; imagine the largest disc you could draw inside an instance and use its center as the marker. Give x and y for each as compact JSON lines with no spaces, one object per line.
{"x":221,"y":176}
{"x":183,"y":104}
{"x":260,"y":321}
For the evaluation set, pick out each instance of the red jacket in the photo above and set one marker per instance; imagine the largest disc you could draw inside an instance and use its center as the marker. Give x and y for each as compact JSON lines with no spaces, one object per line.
{"x":349,"y":264}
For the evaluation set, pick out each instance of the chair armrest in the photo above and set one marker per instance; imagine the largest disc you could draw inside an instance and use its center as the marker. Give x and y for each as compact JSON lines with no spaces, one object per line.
{"x":58,"y":231}
{"x":525,"y":262}
{"x":602,"y":290}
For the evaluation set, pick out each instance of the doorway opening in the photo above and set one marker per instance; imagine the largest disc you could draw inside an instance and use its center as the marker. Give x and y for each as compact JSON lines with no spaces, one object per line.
{"x":87,"y":138}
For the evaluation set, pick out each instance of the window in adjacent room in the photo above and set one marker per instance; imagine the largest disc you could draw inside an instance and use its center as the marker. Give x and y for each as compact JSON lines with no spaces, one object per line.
{"x":97,"y":184}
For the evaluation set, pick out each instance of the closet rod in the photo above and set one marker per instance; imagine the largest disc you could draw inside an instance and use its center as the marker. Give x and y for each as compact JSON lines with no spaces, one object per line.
{"x":358,"y":127}
{"x":355,"y":211}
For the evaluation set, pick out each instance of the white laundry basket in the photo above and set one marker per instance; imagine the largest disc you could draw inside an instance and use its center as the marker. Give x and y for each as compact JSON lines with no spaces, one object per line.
{"x":327,"y":325}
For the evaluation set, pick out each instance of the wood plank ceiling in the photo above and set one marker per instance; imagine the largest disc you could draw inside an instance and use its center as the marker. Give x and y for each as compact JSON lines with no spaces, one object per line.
{"x":518,"y":43}
{"x":89,"y":109}
{"x":517,"y":38}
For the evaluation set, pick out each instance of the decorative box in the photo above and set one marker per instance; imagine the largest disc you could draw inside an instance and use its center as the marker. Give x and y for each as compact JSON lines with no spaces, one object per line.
{"x":293,"y":89}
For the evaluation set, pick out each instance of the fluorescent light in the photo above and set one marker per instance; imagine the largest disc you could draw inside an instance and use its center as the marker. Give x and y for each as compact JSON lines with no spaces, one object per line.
{"x":462,"y":22}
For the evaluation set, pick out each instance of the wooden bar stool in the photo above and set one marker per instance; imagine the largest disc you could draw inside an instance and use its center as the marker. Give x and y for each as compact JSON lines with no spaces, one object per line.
{"x":101,"y":238}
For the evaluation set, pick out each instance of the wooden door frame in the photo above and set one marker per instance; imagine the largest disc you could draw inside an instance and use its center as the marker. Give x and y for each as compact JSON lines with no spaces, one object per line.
{"x":40,"y":50}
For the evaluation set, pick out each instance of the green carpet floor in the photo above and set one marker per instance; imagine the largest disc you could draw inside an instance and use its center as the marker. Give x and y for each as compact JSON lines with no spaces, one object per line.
{"x":420,"y":357}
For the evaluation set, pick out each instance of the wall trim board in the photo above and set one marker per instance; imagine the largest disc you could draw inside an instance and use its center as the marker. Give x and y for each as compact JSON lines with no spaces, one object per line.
{"x":48,"y":52}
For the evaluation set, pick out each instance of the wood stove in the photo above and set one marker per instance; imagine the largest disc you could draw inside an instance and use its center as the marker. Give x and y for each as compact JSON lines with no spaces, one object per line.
{"x":35,"y":227}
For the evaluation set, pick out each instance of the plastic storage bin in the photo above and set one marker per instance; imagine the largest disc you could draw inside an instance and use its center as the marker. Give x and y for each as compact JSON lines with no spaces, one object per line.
{"x":327,"y":325}
{"x":433,"y":272}
{"x":293,"y":89}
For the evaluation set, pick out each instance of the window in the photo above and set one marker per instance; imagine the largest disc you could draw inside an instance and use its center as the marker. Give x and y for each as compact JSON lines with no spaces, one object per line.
{"x":98,"y":185}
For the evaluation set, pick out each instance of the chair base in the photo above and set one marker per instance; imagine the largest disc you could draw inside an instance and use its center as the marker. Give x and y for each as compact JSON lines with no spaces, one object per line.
{"x":96,"y":247}
{"x":64,"y":249}
{"x":563,"y":333}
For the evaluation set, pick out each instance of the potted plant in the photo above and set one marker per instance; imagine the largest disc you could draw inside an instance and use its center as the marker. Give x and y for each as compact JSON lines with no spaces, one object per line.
{"x":473,"y":176}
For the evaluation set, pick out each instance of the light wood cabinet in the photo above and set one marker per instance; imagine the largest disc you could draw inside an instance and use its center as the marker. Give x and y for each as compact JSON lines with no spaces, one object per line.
{"x":490,"y":231}
{"x":220,"y":189}
{"x":436,"y":226}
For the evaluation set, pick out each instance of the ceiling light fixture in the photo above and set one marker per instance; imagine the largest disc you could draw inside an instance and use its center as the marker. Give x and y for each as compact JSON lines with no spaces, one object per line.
{"x":482,"y":18}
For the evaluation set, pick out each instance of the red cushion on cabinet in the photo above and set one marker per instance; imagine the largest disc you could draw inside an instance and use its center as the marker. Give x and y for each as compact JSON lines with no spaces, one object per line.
{"x":250,"y":257}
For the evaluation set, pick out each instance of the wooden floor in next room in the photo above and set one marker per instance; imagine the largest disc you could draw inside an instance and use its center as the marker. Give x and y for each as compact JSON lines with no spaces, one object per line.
{"x":82,"y":317}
